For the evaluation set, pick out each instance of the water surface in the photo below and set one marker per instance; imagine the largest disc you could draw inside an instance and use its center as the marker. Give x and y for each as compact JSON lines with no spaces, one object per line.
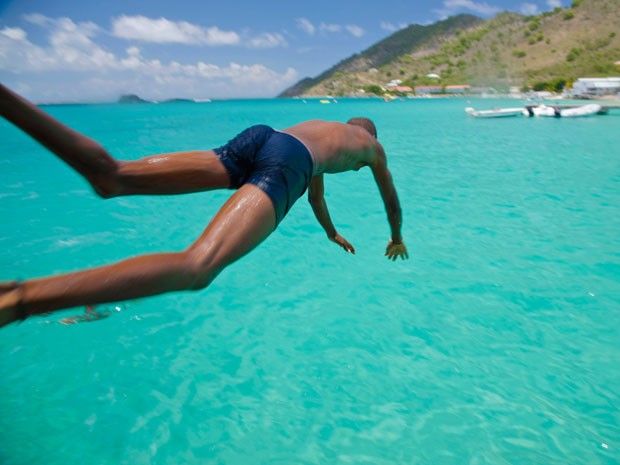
{"x":496,"y":343}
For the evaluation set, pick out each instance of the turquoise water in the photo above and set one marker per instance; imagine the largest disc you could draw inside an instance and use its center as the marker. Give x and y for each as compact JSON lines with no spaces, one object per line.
{"x":496,"y":343}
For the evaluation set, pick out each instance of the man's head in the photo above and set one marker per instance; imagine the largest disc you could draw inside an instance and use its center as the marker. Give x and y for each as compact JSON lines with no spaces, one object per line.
{"x":366,"y":124}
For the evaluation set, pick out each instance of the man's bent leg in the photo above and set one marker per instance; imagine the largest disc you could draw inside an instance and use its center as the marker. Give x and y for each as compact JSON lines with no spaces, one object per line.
{"x":244,"y":221}
{"x":171,"y":173}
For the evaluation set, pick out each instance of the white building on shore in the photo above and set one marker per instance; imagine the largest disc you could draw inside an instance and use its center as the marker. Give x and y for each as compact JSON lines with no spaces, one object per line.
{"x":595,"y":87}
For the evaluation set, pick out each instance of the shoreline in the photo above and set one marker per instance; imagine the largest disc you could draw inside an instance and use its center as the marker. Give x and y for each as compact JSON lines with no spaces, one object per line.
{"x":555,"y":98}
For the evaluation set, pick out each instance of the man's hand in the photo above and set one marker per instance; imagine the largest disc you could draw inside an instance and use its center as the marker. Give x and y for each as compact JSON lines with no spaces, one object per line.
{"x":342,"y":242}
{"x":395,"y":250}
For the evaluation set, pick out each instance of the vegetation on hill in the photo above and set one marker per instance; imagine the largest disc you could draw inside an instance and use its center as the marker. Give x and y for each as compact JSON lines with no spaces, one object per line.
{"x":547,"y":51}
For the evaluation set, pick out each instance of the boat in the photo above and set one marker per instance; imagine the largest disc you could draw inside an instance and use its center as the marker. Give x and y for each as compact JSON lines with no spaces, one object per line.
{"x":495,"y":112}
{"x":541,"y":110}
{"x":584,"y":110}
{"x":562,"y":112}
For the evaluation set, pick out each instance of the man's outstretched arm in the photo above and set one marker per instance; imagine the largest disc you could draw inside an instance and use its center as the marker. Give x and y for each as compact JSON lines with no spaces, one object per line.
{"x":395,"y":248}
{"x":316,"y":197}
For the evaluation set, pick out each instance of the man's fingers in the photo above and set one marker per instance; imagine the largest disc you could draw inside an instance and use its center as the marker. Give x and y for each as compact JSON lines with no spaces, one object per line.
{"x":391,"y":255}
{"x":347,"y":246}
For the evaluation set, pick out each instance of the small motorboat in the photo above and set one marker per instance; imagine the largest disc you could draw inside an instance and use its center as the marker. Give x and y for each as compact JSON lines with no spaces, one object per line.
{"x":541,"y":110}
{"x":495,"y":112}
{"x":583,"y":110}
{"x":560,"y":112}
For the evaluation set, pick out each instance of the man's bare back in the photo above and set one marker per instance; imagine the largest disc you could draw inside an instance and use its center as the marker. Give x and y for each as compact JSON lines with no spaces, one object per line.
{"x":336,"y":147}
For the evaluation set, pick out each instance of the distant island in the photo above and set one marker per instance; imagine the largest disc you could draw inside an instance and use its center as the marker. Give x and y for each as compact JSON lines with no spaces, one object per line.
{"x":133,"y":98}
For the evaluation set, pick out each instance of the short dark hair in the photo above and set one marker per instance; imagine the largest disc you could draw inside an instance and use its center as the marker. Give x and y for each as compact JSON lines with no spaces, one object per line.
{"x":366,"y":124}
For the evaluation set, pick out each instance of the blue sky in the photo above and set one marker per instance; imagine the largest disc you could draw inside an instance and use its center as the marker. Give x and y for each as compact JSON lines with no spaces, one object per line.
{"x":81,"y":50}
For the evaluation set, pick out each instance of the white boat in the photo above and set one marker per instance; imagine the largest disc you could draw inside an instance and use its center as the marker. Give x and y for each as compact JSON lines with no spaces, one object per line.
{"x":584,"y":110}
{"x":542,"y":110}
{"x":494,"y":113}
{"x":558,"y":112}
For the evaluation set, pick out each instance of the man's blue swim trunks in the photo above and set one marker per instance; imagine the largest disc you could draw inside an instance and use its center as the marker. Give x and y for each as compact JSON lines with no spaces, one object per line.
{"x":276,"y":162}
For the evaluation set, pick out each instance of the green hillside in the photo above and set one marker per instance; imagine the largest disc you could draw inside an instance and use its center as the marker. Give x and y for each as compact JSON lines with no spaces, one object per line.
{"x":507,"y":50}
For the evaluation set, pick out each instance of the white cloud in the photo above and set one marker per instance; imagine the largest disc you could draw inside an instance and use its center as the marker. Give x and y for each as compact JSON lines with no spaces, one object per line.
{"x":306,"y":26}
{"x":355,"y":31}
{"x":328,"y":28}
{"x":267,"y":40}
{"x":71,"y":48}
{"x":529,"y":9}
{"x":14,"y":33}
{"x":554,"y":3}
{"x":451,"y":7}
{"x":164,"y":31}
{"x":199,"y":80}
{"x":38,"y":19}
{"x":304,"y":50}
{"x":387,"y":26}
